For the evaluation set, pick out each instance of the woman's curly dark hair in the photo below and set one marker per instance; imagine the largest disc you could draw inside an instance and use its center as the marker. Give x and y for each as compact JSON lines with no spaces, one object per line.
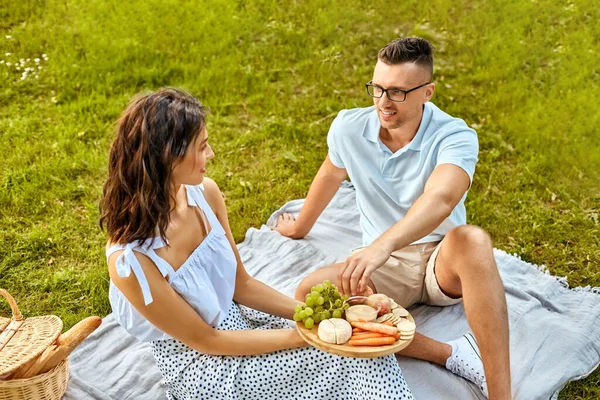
{"x":153,"y":135}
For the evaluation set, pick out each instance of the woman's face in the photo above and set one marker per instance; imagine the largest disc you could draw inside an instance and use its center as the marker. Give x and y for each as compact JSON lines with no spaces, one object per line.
{"x":191,"y":170}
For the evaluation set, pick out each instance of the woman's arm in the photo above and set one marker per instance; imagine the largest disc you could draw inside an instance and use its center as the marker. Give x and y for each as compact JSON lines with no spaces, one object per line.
{"x":173,"y":315}
{"x":248,"y":291}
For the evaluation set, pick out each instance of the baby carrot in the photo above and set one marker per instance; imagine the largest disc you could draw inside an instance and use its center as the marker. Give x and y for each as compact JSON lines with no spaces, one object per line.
{"x":380,"y":341}
{"x":375,"y":327}
{"x":355,"y":330}
{"x":367,"y":335}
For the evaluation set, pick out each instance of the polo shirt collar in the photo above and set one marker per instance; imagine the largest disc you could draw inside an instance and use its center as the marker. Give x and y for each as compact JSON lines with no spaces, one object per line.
{"x":372,"y":126}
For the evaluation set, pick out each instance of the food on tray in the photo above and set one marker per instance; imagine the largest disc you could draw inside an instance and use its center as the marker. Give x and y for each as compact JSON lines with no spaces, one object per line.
{"x":406,"y":327}
{"x":380,"y":302}
{"x":399,"y":310}
{"x":367,"y":335}
{"x":376,"y":335}
{"x":335,"y":330}
{"x":375,"y":327}
{"x":361,"y":313}
{"x":378,"y":341}
{"x":390,"y":319}
{"x":322,"y":303}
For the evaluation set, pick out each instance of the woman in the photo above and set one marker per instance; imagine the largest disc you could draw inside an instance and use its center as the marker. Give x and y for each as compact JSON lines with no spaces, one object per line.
{"x":215,"y":331}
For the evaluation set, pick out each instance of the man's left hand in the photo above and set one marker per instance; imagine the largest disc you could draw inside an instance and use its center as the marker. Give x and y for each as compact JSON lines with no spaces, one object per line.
{"x":355,"y":274}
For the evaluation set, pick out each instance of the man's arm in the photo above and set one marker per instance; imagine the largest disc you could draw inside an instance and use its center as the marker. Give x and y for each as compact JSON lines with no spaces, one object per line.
{"x":443,"y":190}
{"x":323,"y":188}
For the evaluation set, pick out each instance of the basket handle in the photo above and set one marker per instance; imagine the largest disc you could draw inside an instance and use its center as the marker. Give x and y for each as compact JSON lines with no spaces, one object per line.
{"x":17,"y":316}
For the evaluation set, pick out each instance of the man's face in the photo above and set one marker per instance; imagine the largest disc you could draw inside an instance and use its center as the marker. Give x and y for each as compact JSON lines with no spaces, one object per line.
{"x":406,"y":76}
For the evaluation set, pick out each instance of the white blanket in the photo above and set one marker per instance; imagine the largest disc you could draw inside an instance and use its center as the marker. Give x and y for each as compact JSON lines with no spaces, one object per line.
{"x":555,"y":331}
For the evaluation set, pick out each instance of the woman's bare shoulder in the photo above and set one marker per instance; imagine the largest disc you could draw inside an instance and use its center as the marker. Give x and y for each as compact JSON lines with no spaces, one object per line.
{"x":213,"y":194}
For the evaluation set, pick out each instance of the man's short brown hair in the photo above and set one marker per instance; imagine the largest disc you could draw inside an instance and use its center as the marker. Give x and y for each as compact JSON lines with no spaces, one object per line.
{"x":410,"y":49}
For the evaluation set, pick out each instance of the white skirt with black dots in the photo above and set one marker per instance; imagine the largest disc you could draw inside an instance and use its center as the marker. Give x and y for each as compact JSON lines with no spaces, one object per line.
{"x":303,"y":373}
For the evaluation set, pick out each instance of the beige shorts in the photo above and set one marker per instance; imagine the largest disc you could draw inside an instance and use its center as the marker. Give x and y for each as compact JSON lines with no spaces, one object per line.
{"x":408,"y":276}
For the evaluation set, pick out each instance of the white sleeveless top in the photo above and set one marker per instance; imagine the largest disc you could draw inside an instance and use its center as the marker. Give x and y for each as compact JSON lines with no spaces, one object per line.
{"x":206,"y":280}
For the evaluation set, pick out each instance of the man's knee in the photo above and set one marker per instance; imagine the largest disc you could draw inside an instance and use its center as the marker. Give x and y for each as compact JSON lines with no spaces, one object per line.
{"x":470,"y":237}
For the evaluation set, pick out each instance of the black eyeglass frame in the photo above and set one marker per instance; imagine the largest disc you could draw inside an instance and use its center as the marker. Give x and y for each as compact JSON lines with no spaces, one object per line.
{"x":386,"y":91}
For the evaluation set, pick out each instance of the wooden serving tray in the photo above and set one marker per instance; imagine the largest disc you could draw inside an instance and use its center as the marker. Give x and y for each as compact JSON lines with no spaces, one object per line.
{"x":311,"y":337}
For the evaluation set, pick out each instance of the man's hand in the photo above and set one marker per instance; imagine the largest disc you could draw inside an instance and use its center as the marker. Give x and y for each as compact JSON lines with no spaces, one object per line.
{"x":286,"y":226}
{"x":354,"y":275}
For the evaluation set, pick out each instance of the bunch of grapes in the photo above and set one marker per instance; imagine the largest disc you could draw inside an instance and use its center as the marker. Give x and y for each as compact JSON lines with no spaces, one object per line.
{"x":323,"y":302}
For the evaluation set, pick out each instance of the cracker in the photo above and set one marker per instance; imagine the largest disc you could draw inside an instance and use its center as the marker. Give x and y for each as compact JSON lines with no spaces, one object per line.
{"x":400,"y":311}
{"x":385,"y":317}
{"x":406,"y":325}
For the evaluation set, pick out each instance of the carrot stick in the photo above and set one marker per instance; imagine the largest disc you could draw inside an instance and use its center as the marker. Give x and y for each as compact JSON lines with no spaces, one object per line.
{"x":375,"y":327}
{"x":388,"y":323}
{"x":380,"y":341}
{"x":355,"y":330}
{"x":367,"y":335}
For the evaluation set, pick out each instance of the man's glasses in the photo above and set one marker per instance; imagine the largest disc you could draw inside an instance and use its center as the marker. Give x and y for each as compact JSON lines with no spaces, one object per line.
{"x":397,"y":95}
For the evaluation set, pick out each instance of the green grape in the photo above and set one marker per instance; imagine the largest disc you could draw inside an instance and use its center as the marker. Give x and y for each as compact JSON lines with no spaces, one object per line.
{"x":298,"y":308}
{"x":323,"y":302}
{"x":308,"y":323}
{"x":297,"y":317}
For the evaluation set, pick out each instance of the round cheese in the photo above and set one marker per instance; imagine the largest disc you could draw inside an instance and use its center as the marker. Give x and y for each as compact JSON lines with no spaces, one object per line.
{"x":335,"y":331}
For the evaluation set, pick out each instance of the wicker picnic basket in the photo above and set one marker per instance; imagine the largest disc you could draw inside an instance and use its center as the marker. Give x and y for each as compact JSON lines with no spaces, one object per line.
{"x":22,"y":341}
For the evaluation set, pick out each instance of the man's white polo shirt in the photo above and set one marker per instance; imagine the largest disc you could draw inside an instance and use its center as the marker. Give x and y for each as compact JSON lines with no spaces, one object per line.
{"x":387,"y":184}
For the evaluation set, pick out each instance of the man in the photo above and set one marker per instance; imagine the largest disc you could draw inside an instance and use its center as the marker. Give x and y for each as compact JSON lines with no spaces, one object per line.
{"x":412,"y":165}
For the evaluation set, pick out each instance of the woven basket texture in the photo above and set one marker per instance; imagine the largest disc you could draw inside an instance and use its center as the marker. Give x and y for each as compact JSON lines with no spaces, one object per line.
{"x":21,"y":341}
{"x":29,"y":341}
{"x":51,"y":385}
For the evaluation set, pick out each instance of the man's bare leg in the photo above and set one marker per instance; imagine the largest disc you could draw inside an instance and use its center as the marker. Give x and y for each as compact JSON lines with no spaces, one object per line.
{"x":465,"y":266}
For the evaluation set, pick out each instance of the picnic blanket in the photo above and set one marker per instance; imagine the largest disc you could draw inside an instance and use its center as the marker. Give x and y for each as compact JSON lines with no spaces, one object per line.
{"x":554,"y":330}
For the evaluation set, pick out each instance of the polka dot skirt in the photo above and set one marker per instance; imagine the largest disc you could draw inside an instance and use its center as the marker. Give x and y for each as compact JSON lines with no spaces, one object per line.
{"x":303,"y":373}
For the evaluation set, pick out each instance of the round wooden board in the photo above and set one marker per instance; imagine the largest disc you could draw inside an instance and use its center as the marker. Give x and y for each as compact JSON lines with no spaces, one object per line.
{"x":311,"y":337}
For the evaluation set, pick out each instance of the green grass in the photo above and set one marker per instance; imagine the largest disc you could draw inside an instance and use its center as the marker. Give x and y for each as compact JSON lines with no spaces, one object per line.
{"x":523,"y":73}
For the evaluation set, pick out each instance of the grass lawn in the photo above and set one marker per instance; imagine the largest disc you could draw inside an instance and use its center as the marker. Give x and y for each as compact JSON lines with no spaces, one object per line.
{"x":523,"y":73}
